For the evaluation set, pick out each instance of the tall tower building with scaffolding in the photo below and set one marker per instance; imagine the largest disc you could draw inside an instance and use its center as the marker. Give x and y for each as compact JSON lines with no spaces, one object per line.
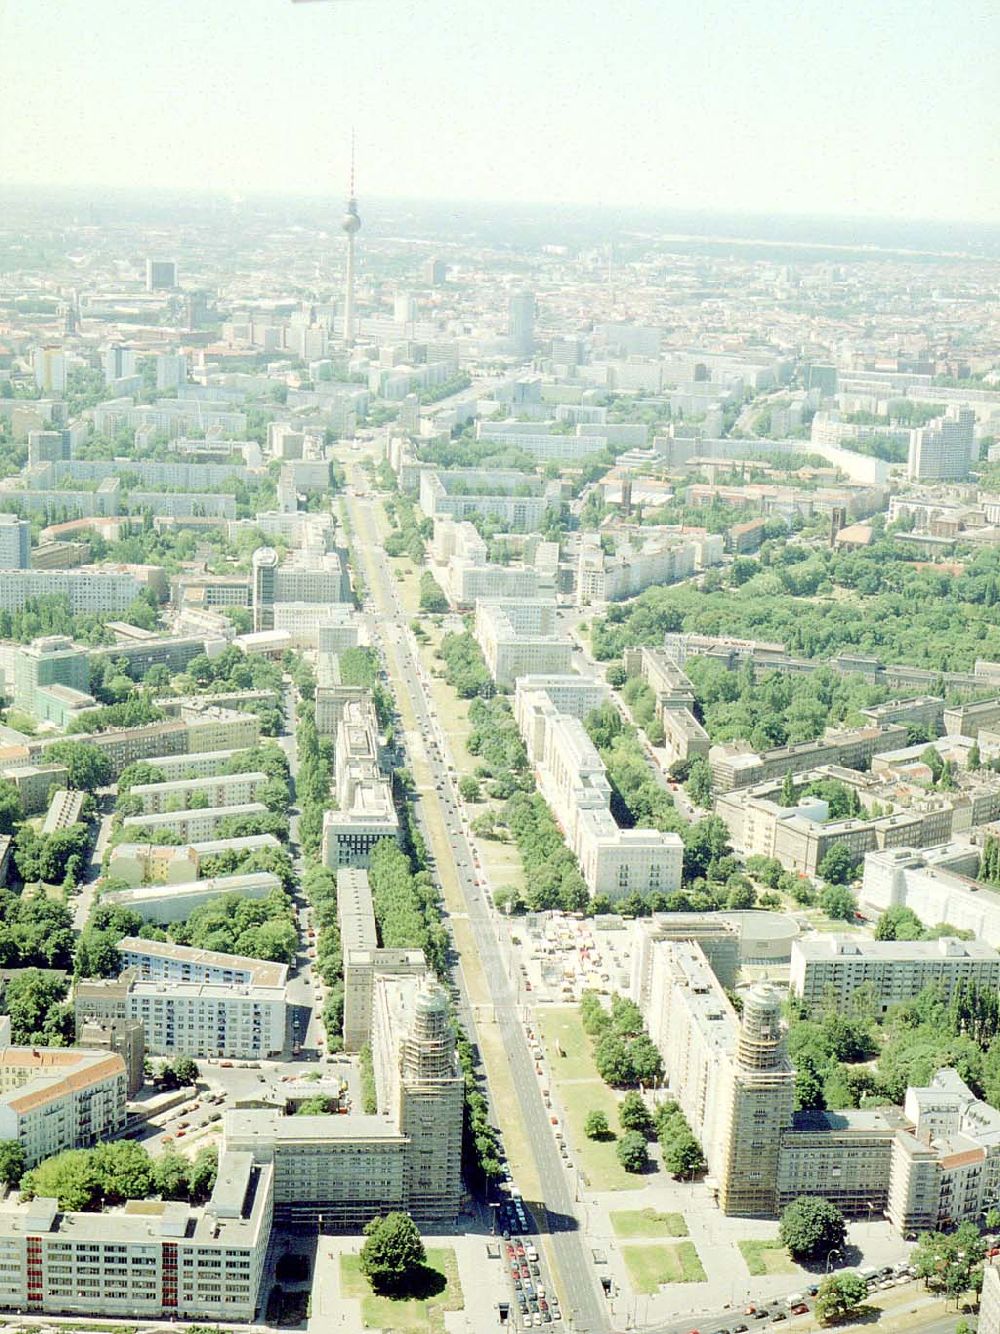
{"x":760,"y":1108}
{"x":351,"y":225}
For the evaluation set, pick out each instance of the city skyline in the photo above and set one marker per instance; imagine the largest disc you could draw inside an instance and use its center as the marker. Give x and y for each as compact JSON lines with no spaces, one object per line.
{"x":517,"y":104}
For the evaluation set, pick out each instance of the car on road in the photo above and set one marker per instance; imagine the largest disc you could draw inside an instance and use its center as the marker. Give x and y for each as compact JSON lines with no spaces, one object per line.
{"x":800,"y":1308}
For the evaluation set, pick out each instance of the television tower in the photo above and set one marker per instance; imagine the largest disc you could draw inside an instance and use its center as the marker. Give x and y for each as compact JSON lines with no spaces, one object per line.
{"x":351,"y":225}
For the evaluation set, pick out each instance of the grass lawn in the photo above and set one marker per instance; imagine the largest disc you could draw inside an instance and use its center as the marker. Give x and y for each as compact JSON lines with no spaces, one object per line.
{"x":765,"y":1257}
{"x":561,"y":1024}
{"x":580,"y":1090}
{"x":417,"y":1315}
{"x":649,"y":1267}
{"x":647,"y":1223}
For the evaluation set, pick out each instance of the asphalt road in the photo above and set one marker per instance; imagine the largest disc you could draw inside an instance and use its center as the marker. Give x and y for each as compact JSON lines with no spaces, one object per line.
{"x":575,"y":1269}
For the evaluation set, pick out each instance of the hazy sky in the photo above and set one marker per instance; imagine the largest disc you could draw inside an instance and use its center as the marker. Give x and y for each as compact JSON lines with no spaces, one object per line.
{"x":781,"y":106}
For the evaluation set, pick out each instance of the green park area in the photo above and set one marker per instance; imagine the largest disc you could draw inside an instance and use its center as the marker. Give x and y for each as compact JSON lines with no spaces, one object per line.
{"x":412,"y":1315}
{"x":579,"y":1090}
{"x":765,"y":1257}
{"x":650,"y":1266}
{"x":647,"y":1224}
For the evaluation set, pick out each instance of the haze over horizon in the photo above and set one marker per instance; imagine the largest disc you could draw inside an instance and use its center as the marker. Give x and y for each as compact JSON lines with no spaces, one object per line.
{"x":755,"y":110}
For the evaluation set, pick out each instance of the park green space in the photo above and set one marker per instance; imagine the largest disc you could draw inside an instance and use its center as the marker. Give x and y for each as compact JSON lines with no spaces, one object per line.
{"x":647,"y":1224}
{"x":651,"y":1266}
{"x":580,"y":1090}
{"x":413,"y":1315}
{"x":765,"y":1256}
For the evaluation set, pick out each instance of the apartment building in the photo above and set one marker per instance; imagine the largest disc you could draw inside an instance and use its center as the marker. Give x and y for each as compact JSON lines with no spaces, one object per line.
{"x":334,"y":1172}
{"x":365,"y":812}
{"x":34,"y":782}
{"x":844,"y":1157}
{"x":178,"y":794}
{"x":155,"y":1259}
{"x":521,"y":638}
{"x":330,"y":1172}
{"x":126,"y":1039}
{"x":56,"y":1098}
{"x":938,"y":884}
{"x":86,"y":589}
{"x":800,"y":836}
{"x":307,"y":576}
{"x":162,"y":863}
{"x":419,"y":1082}
{"x":190,"y":1018}
{"x":163,"y":961}
{"x":173,"y":651}
{"x":65,"y":809}
{"x":518,"y":500}
{"x":734,"y":764}
{"x":968,"y":719}
{"x":173,"y":902}
{"x":684,"y":736}
{"x":895,"y":970}
{"x":330,"y":629}
{"x":717,"y":937}
{"x":356,"y":924}
{"x":944,"y":448}
{"x":729,"y":1073}
{"x":634,"y":566}
{"x":15,"y":542}
{"x":946,"y":1169}
{"x":191,"y":825}
{"x":573,"y":779}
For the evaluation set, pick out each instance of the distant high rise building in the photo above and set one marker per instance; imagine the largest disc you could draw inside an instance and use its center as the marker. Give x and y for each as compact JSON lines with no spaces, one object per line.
{"x":409,"y":414}
{"x":943,"y":449}
{"x":49,"y":364}
{"x":351,"y":225}
{"x":15,"y":542}
{"x":823,"y":378}
{"x":48,"y":446}
{"x":171,"y":370}
{"x":119,"y":361}
{"x":404,"y":308}
{"x":522,"y":322}
{"x":161,"y":274}
{"x":434,"y":271}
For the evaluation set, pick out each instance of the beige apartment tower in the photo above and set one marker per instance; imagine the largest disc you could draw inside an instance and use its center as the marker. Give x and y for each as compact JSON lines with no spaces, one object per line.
{"x":760,"y":1109}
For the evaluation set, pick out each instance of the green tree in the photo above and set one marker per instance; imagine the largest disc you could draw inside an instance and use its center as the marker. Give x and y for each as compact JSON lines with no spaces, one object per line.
{"x":682,"y":1155}
{"x":787,"y":797}
{"x":699,"y":782}
{"x":596,"y":1126}
{"x":949,"y":1262}
{"x":839,"y":1296}
{"x":72,"y":1178}
{"x":393,"y":1255}
{"x":613,"y":1060}
{"x":12,"y":1162}
{"x":468,"y":788}
{"x":170,"y":1175}
{"x":202,"y":1173}
{"x":632,"y":1152}
{"x":838,"y":902}
{"x":432,"y":598}
{"x":811,"y":1227}
{"x":839,"y":866}
{"x":185,"y":1069}
{"x":899,"y":923}
{"x":87,"y":765}
{"x":11,"y":813}
{"x":633,"y":1114}
{"x":125,"y":1170}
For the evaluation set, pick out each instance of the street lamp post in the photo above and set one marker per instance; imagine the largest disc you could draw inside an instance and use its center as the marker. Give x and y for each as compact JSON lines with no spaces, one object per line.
{"x":835,"y":1250}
